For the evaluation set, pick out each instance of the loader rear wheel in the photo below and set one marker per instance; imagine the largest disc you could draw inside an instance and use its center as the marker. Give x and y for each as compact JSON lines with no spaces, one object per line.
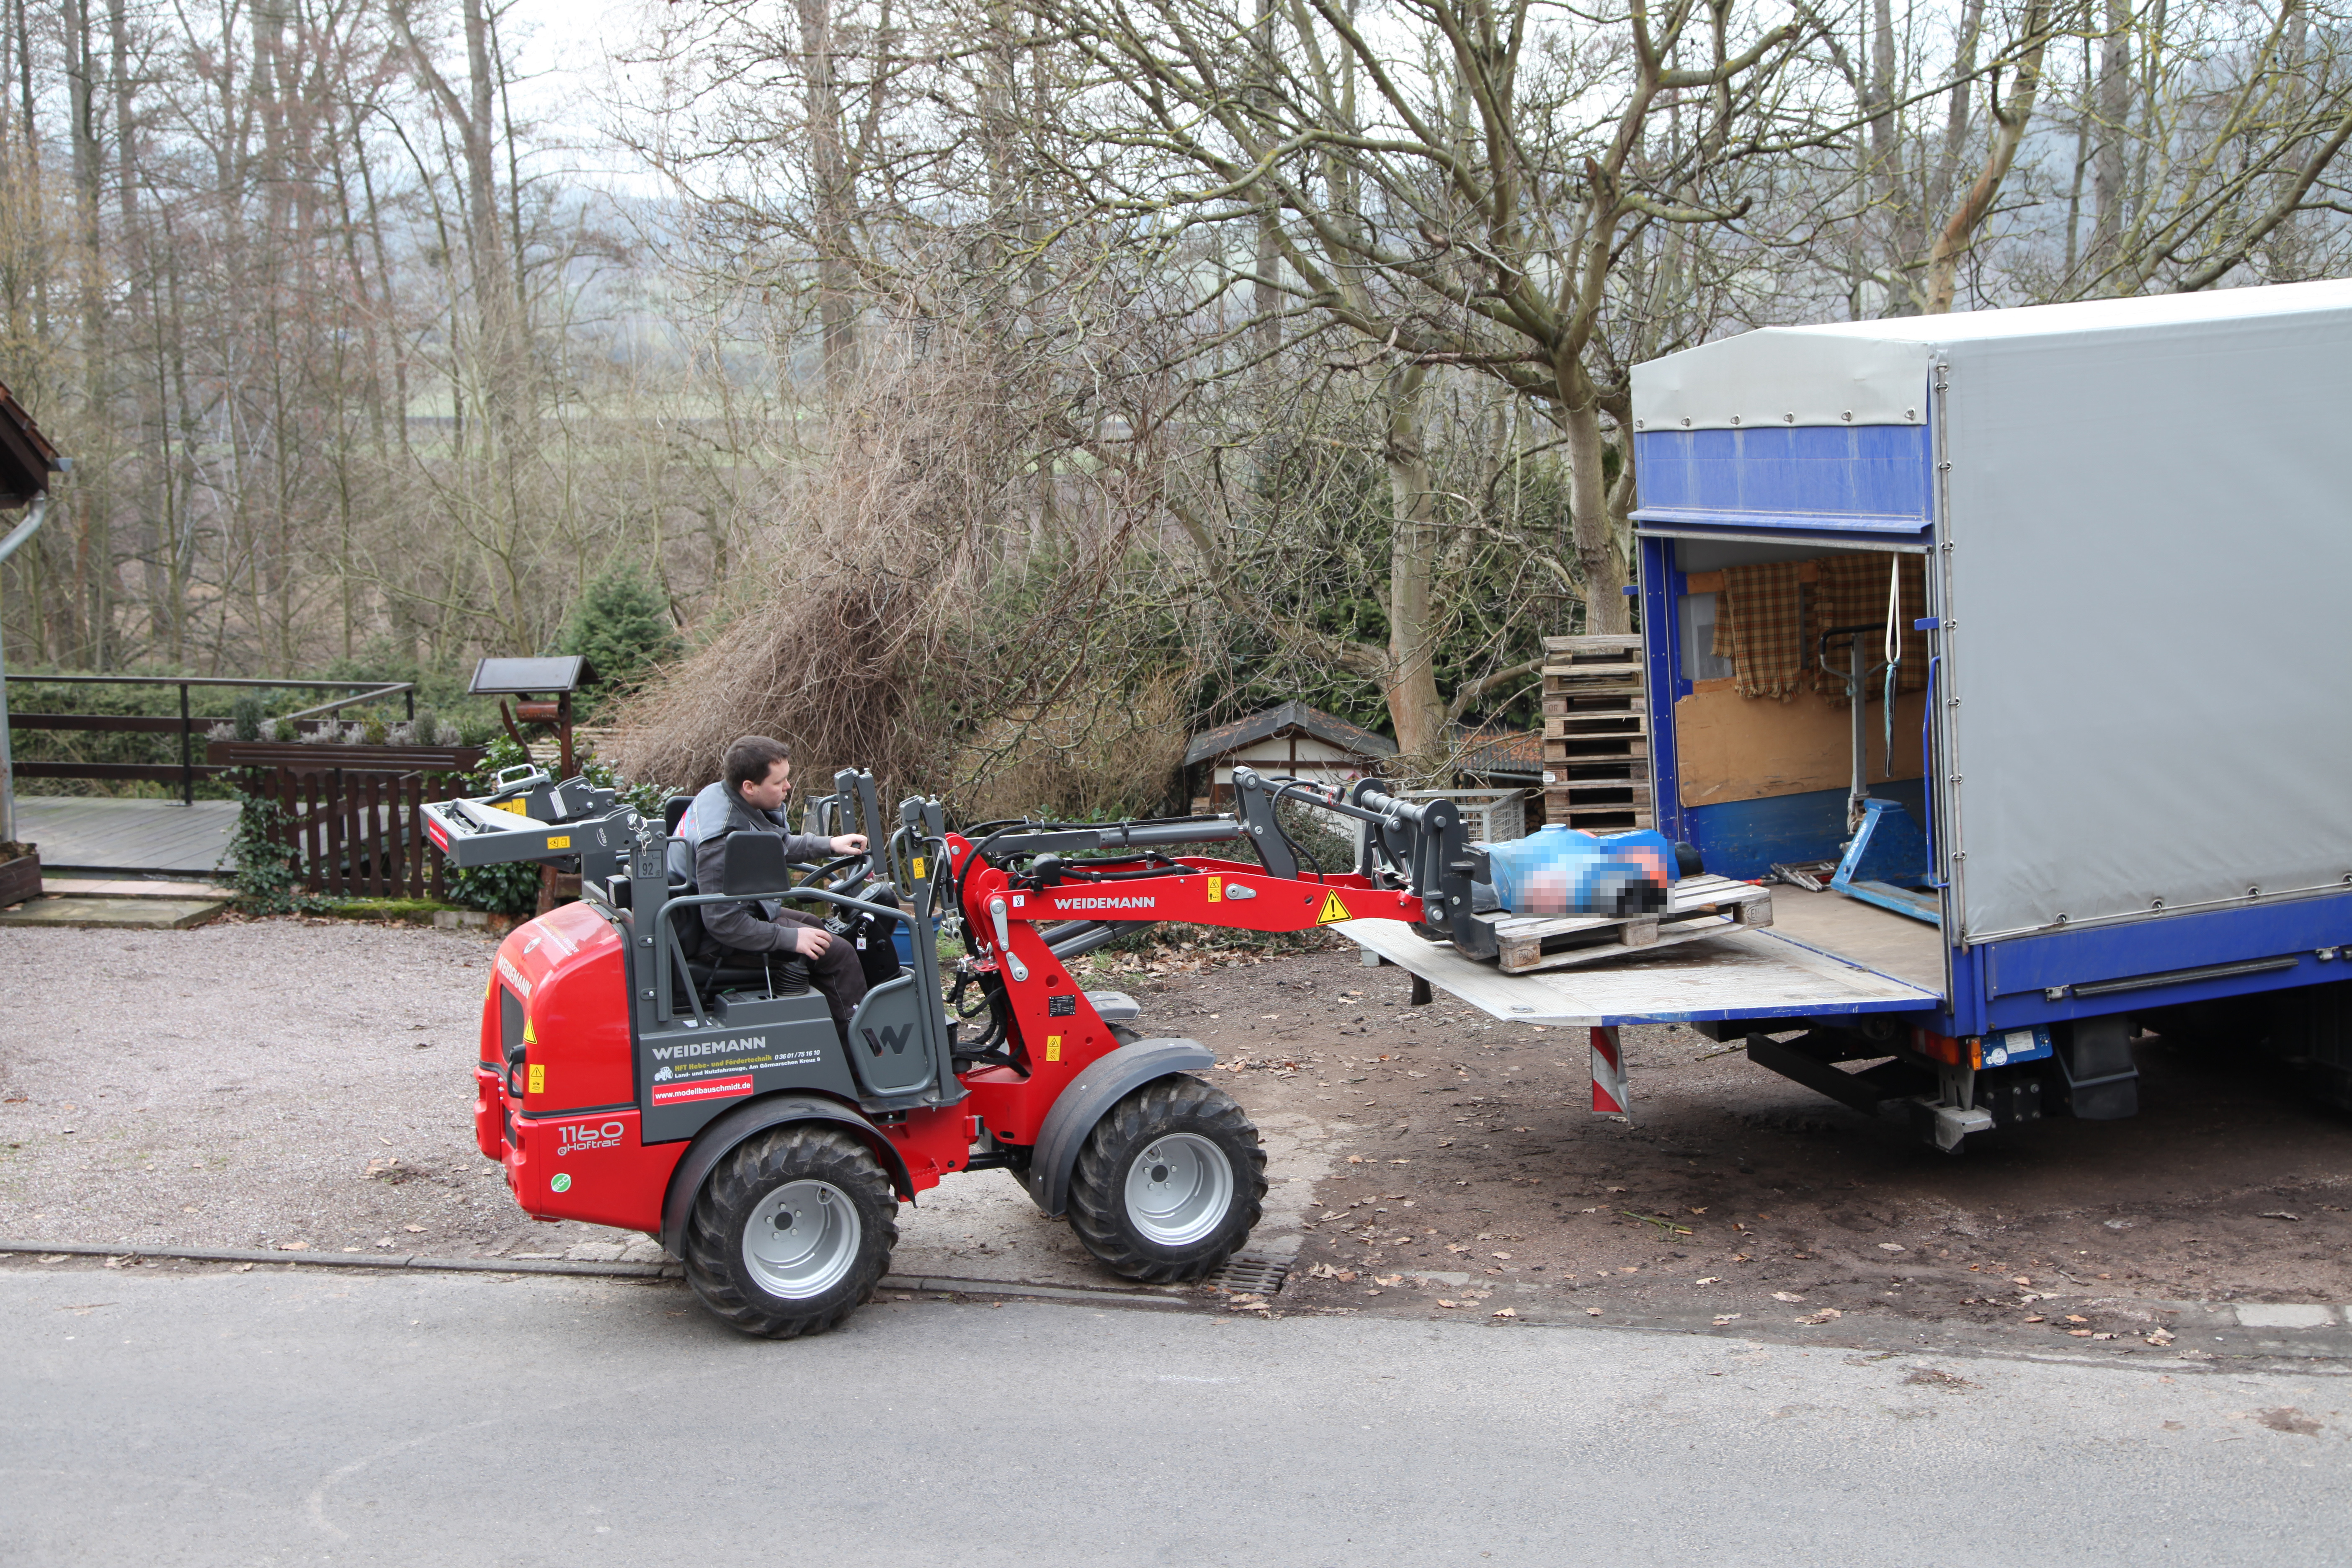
{"x":1170,"y":1182}
{"x":790,"y":1232}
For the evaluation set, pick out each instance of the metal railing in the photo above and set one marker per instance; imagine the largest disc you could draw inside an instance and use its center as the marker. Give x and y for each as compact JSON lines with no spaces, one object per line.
{"x":188,"y":770}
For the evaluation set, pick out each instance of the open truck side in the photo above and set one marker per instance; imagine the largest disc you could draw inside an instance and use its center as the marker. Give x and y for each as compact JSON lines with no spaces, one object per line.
{"x":2103,"y":545}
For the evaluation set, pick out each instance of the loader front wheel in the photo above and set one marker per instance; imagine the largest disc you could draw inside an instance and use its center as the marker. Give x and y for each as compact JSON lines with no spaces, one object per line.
{"x":790,"y":1232}
{"x":1169,"y":1182}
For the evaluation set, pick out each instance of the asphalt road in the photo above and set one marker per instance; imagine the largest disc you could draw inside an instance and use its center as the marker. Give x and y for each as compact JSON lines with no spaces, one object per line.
{"x":311,"y":1416}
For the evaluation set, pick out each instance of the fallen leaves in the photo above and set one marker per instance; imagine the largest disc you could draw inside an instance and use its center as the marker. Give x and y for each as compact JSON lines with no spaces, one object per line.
{"x":1826,"y":1315}
{"x":1443,"y":1303}
{"x":1788,"y":1295}
{"x":1723,"y":1318}
{"x":1327,"y":1271}
{"x":1504,"y":1313}
{"x":1892,"y":1246}
{"x":1936,"y":1377}
{"x":2280,"y":1213}
{"x":1708,"y":1280}
{"x":1591,"y":1311}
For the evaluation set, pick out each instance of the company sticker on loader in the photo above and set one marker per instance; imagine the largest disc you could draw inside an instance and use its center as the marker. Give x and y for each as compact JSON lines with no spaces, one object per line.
{"x":701,"y":1088}
{"x":736,"y":1054}
{"x":562,"y":1183}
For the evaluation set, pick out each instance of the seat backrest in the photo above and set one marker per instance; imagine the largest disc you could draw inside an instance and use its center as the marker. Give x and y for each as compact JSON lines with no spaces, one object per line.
{"x":754,"y":866}
{"x":672,"y":809}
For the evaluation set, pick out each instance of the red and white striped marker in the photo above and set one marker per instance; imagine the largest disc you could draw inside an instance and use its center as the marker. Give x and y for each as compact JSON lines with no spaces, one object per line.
{"x":1607,"y":1072}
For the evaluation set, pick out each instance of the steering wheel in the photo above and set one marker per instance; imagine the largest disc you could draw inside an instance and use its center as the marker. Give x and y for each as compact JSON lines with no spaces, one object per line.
{"x":819,"y":876}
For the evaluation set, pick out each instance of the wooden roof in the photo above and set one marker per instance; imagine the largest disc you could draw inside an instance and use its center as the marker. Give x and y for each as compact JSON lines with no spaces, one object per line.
{"x":26,"y":458}
{"x":1232,"y":737}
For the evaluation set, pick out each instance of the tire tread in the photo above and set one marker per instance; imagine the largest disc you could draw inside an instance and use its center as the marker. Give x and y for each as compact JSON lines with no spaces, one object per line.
{"x":1096,"y":1186}
{"x":791,"y":1152}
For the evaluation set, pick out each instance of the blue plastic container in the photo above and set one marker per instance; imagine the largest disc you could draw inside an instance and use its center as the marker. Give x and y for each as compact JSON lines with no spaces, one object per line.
{"x":1558,"y":871}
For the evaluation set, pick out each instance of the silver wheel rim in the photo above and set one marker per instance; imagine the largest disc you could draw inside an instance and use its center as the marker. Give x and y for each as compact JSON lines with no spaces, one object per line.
{"x":801,"y":1239}
{"x":1178,"y":1189}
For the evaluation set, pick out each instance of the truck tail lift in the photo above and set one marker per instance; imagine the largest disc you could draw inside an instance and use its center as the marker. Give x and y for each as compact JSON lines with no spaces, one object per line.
{"x":627,"y":1078}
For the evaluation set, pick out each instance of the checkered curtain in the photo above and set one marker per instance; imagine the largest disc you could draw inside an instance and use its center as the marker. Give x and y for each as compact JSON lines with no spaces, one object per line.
{"x":1849,"y":591}
{"x":1760,"y":625}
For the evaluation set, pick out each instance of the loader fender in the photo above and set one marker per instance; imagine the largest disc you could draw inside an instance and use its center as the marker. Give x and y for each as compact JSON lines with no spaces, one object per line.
{"x":714,"y":1143}
{"x":1103,"y":1085}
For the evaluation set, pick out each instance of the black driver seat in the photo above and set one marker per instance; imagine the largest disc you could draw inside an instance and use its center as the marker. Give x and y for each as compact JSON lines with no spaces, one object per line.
{"x":715,"y":968}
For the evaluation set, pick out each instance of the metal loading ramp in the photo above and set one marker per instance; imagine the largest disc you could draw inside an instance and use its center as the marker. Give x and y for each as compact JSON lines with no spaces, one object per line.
{"x":1739,"y":974}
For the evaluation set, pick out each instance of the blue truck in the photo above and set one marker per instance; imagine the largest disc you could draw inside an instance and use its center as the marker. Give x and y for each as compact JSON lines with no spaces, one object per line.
{"x":2017,"y":633}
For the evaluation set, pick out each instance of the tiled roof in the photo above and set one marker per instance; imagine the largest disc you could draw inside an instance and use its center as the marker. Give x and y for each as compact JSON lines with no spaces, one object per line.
{"x":26,"y":458}
{"x":1232,"y":737}
{"x":1499,"y":752}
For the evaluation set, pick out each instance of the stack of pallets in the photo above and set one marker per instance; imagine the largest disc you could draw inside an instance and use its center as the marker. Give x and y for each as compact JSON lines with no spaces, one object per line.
{"x":1596,"y":733}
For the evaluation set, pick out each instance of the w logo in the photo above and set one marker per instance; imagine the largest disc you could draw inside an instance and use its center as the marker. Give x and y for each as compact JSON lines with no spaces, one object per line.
{"x":895,"y":1039}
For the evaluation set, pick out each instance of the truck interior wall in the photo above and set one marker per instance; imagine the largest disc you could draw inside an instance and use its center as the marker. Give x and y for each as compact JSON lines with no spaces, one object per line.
{"x":1761,"y":780}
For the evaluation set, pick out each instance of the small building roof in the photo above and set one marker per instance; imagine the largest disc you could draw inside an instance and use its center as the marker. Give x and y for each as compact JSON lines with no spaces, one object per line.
{"x":1500,"y":753}
{"x":26,"y":458}
{"x":1210,"y":745}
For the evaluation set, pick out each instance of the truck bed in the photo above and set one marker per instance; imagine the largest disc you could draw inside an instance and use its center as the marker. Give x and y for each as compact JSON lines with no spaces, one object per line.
{"x":1739,"y":974}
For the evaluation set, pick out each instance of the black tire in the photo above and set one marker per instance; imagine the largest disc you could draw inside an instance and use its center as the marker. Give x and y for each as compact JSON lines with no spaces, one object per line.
{"x":1195,"y":1118}
{"x":759,"y":1295}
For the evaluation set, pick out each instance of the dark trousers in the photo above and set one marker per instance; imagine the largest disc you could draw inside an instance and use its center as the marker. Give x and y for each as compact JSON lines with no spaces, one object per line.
{"x":840,"y":975}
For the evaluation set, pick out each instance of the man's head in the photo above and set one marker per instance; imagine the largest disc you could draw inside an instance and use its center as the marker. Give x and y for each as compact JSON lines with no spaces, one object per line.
{"x":760,"y":772}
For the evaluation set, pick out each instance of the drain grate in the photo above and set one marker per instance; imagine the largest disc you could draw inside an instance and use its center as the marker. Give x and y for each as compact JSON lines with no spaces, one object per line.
{"x":1261,"y":1276}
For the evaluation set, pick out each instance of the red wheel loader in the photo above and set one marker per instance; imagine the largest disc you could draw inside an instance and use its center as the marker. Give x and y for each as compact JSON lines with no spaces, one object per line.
{"x":626,"y":1079}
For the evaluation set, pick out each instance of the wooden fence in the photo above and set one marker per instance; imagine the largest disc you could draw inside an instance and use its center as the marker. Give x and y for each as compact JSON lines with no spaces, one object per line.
{"x":353,"y":816}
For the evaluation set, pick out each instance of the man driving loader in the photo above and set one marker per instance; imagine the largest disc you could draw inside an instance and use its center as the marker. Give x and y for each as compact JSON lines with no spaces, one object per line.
{"x":748,"y":797}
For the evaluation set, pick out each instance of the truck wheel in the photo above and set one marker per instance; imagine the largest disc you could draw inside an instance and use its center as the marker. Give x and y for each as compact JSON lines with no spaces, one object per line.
{"x":1170,"y":1182}
{"x":791,"y":1231}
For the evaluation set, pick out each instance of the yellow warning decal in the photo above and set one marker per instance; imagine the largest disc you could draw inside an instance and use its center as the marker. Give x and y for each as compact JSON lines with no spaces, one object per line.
{"x":559,"y":841}
{"x":1216,"y":888}
{"x":918,"y":867}
{"x":1332,"y":910}
{"x":538,"y":1079}
{"x":529,"y":1034}
{"x":1053,"y":1047}
{"x":515,"y":806}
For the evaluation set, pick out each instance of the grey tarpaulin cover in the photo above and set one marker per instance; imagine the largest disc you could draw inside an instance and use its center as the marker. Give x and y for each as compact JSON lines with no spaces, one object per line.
{"x":2147,"y":527}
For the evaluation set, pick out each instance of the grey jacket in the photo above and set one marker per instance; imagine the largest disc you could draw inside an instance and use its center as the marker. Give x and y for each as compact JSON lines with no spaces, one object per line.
{"x":751,"y":926}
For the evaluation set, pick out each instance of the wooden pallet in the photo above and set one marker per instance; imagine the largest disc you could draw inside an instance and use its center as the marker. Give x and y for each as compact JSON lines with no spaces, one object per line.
{"x":1596,"y":745}
{"x":1695,"y":906}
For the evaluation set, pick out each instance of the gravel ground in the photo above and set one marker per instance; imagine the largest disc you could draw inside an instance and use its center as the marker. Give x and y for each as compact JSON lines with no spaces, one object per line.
{"x":1471,"y":1151}
{"x":306,"y":1083}
{"x":278,"y":1083}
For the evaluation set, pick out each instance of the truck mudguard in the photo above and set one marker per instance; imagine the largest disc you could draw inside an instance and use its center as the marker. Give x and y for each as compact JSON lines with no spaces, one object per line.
{"x":714,"y":1143}
{"x":1094,"y":1092}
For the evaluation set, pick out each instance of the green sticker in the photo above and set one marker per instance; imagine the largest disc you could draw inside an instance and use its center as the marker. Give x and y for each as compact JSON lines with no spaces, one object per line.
{"x":562,"y":1184}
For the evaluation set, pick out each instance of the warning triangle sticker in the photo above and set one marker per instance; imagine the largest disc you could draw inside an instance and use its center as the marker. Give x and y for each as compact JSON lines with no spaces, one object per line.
{"x":1333,"y":910}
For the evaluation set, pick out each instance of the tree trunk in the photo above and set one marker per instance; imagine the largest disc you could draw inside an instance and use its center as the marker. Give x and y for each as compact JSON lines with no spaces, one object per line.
{"x":1411,"y":683}
{"x":2009,"y":130}
{"x":829,"y":177}
{"x":2107,"y":175}
{"x":1588,"y":500}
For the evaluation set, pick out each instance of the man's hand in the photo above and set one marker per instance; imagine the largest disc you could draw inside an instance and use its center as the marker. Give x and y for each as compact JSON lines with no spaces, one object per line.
{"x":810,"y":941}
{"x":848,"y":844}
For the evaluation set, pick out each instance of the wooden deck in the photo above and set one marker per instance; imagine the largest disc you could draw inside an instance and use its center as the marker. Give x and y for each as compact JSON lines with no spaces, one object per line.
{"x":147,"y":837}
